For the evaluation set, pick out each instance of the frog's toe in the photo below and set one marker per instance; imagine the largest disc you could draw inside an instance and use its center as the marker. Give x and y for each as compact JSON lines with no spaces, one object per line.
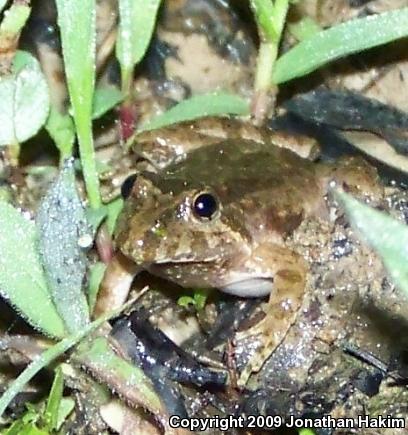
{"x":256,"y":362}
{"x":244,"y":377}
{"x":258,"y":329}
{"x":268,"y":342}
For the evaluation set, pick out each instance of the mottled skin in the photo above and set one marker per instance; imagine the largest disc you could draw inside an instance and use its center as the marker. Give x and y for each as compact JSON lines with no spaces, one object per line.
{"x":264,"y":192}
{"x":159,"y":229}
{"x":172,"y":144}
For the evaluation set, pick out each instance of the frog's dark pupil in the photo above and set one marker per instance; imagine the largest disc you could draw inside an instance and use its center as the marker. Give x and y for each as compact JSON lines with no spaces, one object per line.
{"x":127,"y":186}
{"x":205,"y":205}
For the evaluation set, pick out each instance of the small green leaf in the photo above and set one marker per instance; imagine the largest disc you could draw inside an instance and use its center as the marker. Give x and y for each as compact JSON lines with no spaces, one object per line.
{"x":62,"y":227}
{"x":95,"y":278}
{"x":62,"y":130}
{"x":200,"y":106}
{"x":76,"y":21}
{"x":54,"y":399}
{"x":264,"y":13}
{"x":109,"y":211}
{"x":105,"y":99}
{"x":387,"y":236}
{"x":95,"y":216}
{"x":113,"y":210}
{"x":22,"y":280}
{"x":24,"y":100}
{"x":339,"y":41}
{"x":270,"y":17}
{"x":185,"y":301}
{"x":66,"y":407}
{"x":198,"y":300}
{"x":136,"y":25}
{"x":32,"y":415}
{"x":304,"y":28}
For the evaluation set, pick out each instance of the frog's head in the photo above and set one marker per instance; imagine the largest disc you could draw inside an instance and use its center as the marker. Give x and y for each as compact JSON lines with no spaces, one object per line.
{"x":182,"y":231}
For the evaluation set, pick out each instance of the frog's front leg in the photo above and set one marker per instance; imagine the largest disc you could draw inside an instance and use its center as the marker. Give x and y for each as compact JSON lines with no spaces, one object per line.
{"x":286,"y":298}
{"x":115,"y":285}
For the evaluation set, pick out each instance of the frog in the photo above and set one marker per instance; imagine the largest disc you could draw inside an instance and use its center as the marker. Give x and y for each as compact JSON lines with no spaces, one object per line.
{"x":219,"y":215}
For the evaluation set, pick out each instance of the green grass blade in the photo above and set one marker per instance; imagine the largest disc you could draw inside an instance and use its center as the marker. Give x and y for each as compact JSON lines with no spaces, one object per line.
{"x":264,"y":12}
{"x":136,"y":25}
{"x":42,"y":361}
{"x":60,"y":127}
{"x":67,"y":405}
{"x":54,"y":399}
{"x":387,"y":236}
{"x":95,"y":278}
{"x":50,"y":355}
{"x":76,"y":20}
{"x":199,"y":106}
{"x":113,"y":210}
{"x":339,"y":41}
{"x":105,"y":99}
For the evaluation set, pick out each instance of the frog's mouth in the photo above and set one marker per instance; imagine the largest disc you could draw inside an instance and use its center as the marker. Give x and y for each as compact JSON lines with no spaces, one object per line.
{"x":250,"y":287}
{"x":247,"y":285}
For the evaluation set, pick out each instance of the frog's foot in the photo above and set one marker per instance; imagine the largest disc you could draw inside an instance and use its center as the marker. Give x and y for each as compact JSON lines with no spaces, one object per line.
{"x":284,"y":303}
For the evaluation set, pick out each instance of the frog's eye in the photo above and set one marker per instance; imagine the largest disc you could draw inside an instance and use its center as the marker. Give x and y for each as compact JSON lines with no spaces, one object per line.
{"x":127,"y":186}
{"x":205,"y":206}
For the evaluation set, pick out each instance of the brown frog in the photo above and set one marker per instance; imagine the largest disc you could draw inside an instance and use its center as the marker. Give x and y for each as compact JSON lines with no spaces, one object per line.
{"x":218,"y":216}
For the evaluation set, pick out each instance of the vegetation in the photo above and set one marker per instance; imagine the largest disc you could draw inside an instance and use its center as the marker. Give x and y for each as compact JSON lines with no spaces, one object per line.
{"x":26,"y":108}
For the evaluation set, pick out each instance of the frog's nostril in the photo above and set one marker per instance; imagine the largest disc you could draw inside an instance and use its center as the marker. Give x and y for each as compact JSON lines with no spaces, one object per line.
{"x":205,"y":205}
{"x":127,"y":186}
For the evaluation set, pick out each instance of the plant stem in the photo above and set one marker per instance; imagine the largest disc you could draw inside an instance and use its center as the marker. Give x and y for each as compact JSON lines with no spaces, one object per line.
{"x":87,"y":154}
{"x":13,"y":154}
{"x":270,"y":29}
{"x":266,"y":61}
{"x":126,"y":79}
{"x":77,"y":25}
{"x":127,"y":112}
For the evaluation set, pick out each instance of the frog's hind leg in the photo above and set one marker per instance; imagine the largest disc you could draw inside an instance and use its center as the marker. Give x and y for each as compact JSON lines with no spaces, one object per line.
{"x":285,"y":301}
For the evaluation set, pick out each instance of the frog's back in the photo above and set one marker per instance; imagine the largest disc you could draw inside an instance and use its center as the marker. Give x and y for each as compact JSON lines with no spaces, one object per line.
{"x":270,"y":185}
{"x":242,"y":168}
